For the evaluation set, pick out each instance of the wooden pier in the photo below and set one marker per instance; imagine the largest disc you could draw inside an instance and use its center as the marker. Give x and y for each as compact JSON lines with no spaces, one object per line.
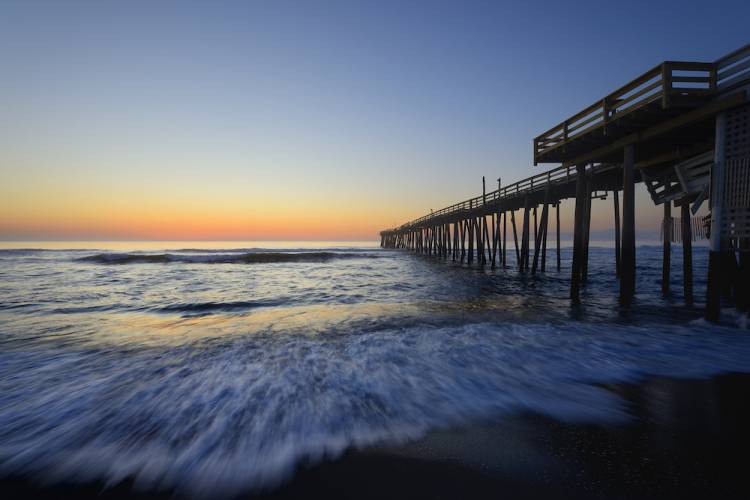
{"x":681,"y":128}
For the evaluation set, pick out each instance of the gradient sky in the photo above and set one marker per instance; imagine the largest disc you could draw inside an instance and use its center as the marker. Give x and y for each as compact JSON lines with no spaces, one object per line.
{"x":303,"y":120}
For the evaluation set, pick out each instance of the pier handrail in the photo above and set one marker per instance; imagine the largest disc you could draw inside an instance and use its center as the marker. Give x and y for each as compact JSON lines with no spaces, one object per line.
{"x":522,"y":187}
{"x":664,"y":83}
{"x":733,"y":69}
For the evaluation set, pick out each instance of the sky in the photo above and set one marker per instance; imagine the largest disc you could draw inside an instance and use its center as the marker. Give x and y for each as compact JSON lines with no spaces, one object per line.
{"x":309,"y":120}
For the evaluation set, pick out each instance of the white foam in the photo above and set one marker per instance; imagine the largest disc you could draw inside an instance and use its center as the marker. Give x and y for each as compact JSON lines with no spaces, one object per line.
{"x":236,"y":414}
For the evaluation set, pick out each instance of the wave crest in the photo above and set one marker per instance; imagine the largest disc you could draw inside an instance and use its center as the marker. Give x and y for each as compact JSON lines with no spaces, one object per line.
{"x":229,"y":258}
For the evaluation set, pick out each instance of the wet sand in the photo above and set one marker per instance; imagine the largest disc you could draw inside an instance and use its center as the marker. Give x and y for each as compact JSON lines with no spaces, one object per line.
{"x":687,"y":439}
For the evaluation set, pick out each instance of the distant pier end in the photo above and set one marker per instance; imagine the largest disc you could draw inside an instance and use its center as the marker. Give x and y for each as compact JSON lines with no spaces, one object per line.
{"x":682,"y":128}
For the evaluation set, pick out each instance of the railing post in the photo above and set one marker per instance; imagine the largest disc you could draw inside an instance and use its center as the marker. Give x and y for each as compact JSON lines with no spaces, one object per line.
{"x":666,"y":84}
{"x":713,"y":77}
{"x":605,"y":114}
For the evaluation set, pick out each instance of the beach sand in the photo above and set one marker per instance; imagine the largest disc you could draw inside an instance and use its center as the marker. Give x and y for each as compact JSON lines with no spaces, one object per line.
{"x":687,"y":439}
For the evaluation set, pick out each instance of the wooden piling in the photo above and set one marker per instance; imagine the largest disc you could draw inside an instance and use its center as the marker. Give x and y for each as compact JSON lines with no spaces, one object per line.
{"x":586,"y":232}
{"x":545,"y":225}
{"x":495,"y":234}
{"x":558,"y":235}
{"x":743,"y":276}
{"x":687,"y":254}
{"x":616,"y":198}
{"x":505,"y":239}
{"x":666,"y":247}
{"x":487,"y":240}
{"x":474,"y":239}
{"x":525,"y":237}
{"x":539,"y":232}
{"x":463,"y":241}
{"x":515,"y":237}
{"x":575,"y":277}
{"x":717,"y":243}
{"x":627,"y":262}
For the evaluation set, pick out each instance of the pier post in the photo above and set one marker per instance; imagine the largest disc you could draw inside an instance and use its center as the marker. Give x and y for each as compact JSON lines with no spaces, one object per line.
{"x":743,"y":276}
{"x":558,"y":235}
{"x":627,"y":262}
{"x":666,"y":247}
{"x":505,"y":238}
{"x":487,"y":241}
{"x":515,"y":237}
{"x":616,"y":198}
{"x":480,"y":240}
{"x":687,"y":253}
{"x":526,"y":236}
{"x":539,"y":232}
{"x":462,"y":228}
{"x":713,"y":288}
{"x":470,"y":256}
{"x":575,"y":278}
{"x":586,"y":232}
{"x":545,"y":225}
{"x":495,"y":235}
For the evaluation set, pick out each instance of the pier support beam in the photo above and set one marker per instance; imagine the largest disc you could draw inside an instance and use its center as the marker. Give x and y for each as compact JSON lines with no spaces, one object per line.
{"x":743,"y":276}
{"x":627,"y":262}
{"x":545,"y":217}
{"x":713,"y":288}
{"x":470,"y":257}
{"x":505,"y":238}
{"x":463,"y":240}
{"x":586,"y":233}
{"x":666,"y":247}
{"x":687,"y":253}
{"x":495,"y":237}
{"x":486,"y":242}
{"x":616,"y":198}
{"x":515,"y":237}
{"x":526,"y":236}
{"x":558,"y":235}
{"x":575,"y":278}
{"x":540,"y":235}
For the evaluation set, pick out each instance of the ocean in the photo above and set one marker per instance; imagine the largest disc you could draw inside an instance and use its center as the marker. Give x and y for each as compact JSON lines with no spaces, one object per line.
{"x":220,"y":369}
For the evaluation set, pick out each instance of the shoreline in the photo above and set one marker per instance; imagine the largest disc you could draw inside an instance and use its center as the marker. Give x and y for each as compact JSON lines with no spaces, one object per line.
{"x":681,"y":442}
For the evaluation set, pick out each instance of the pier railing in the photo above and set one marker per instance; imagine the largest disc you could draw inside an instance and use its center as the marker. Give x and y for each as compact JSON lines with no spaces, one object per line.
{"x":670,"y":83}
{"x":733,"y":70}
{"x":522,"y":187}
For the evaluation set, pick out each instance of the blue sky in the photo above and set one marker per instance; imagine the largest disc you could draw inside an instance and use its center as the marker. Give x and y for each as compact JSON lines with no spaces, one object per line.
{"x":389,"y":107}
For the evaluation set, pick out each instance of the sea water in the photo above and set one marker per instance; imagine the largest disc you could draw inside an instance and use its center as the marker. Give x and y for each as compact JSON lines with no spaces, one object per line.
{"x":223,"y":368}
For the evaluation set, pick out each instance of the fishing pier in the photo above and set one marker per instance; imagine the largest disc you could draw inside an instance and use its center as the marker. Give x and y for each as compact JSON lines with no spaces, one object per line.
{"x":681,"y":128}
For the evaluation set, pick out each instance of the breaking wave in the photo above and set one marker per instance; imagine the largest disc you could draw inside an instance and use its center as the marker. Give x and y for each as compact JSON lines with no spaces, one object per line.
{"x":216,"y":258}
{"x":233,"y":415}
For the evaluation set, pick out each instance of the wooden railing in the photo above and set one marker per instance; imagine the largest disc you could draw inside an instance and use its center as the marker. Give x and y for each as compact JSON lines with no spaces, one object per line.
{"x":522,"y":187}
{"x":733,"y":70}
{"x":668,"y":83}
